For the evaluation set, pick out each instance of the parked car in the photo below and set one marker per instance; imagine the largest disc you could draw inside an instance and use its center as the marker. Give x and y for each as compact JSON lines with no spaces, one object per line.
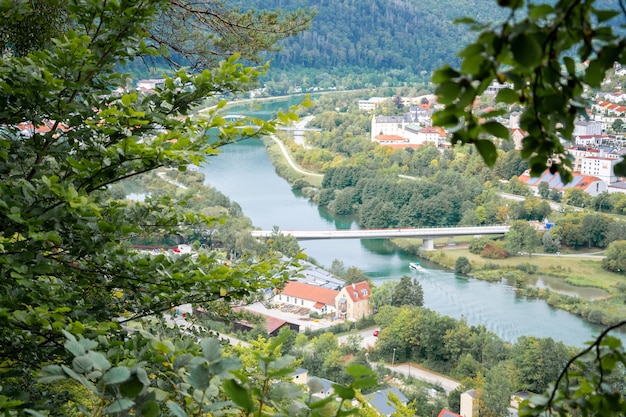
{"x":376,"y":333}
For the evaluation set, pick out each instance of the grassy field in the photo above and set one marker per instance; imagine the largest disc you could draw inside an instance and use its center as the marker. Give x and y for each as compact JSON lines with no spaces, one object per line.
{"x":584,"y":270}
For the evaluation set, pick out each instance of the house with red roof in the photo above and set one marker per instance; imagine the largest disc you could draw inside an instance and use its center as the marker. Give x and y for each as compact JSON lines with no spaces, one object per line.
{"x":272,"y":324}
{"x":589,"y":184}
{"x":318,"y":299}
{"x":353,"y":301}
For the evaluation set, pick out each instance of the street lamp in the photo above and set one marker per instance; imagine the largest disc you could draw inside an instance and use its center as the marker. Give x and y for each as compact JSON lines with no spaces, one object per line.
{"x":393,"y":357}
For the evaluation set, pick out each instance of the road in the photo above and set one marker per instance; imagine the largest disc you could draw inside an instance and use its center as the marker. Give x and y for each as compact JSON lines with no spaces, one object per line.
{"x":368,"y":341}
{"x":290,"y":161}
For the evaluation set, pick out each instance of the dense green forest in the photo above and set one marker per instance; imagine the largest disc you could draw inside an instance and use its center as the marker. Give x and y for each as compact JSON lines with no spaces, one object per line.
{"x":413,"y":37}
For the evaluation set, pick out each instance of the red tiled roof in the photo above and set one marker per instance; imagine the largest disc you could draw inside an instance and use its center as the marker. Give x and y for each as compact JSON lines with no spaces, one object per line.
{"x":401,"y":145}
{"x":431,"y":129}
{"x":310,"y":292}
{"x":448,"y":413}
{"x":389,"y":138}
{"x":355,"y":291}
{"x":273,"y":323}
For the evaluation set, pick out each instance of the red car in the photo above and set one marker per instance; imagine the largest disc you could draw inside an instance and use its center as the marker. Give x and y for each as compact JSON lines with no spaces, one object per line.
{"x":376,"y":332}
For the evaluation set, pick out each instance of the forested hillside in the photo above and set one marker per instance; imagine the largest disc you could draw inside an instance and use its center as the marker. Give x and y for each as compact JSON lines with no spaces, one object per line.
{"x":413,"y":36}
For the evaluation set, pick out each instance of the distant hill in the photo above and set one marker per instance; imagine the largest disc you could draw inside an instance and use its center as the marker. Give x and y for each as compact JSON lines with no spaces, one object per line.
{"x":416,"y":36}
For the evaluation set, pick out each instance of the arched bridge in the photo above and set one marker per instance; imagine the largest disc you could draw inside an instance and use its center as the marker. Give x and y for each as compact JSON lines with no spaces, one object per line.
{"x":428,"y":234}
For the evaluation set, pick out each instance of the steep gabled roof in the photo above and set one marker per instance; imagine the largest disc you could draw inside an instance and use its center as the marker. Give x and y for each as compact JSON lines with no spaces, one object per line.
{"x":359,"y":291}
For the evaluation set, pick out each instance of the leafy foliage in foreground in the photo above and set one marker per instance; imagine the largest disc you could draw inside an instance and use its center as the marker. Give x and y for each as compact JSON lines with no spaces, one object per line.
{"x":589,"y":383}
{"x":69,"y":130}
{"x":150,"y":376}
{"x":538,"y":52}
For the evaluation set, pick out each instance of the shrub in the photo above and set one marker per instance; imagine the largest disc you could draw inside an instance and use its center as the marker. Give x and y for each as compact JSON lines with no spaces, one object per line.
{"x":491,"y":266}
{"x":462,"y":265}
{"x":494,"y":251}
{"x":527,"y":267}
{"x":476,"y":246}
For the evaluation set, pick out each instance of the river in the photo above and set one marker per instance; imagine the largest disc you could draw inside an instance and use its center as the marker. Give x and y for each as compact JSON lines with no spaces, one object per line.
{"x":245,"y":174}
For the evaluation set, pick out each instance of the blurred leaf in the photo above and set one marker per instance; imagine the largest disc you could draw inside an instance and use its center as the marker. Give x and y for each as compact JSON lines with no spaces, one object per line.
{"x":496,"y":129}
{"x":116,"y":375}
{"x":238,"y":395}
{"x":176,"y":409}
{"x":118,"y":406}
{"x":487,"y":151}
{"x":526,"y":50}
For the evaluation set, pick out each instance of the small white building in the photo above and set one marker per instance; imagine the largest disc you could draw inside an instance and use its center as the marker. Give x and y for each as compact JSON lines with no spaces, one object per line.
{"x":469,"y":403}
{"x":371,"y":104}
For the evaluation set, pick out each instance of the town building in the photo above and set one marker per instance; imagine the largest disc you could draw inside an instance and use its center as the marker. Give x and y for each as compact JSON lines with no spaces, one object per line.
{"x":371,"y":103}
{"x":587,"y":127}
{"x":272,"y":324}
{"x":382,"y":403}
{"x":589,"y":184}
{"x":469,"y":403}
{"x":353,"y":301}
{"x":318,"y":299}
{"x":602,"y":168}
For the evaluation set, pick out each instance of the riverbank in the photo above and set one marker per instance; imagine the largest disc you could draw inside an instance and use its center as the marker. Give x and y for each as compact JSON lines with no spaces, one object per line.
{"x":580,"y":270}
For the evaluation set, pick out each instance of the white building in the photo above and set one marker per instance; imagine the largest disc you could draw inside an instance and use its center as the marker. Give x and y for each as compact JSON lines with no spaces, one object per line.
{"x":602,"y":168}
{"x":469,"y":403}
{"x":587,"y":127}
{"x":372,"y":103}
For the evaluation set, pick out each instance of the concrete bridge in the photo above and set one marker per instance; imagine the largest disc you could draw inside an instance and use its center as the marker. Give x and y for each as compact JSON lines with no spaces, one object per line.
{"x":428,"y":234}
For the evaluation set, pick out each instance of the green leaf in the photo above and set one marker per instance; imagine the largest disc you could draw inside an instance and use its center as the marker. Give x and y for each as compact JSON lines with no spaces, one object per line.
{"x":595,"y":73}
{"x":507,"y":95}
{"x":620,"y":168}
{"x":75,"y":348}
{"x":443,"y":74}
{"x":131,"y":388}
{"x":176,"y":409}
{"x":536,"y":11}
{"x":51,"y":373}
{"x":116,"y":375}
{"x":99,"y":361}
{"x":345,"y":393}
{"x":604,"y":15}
{"x":118,"y":406}
{"x":465,"y":20}
{"x":496,"y":129}
{"x":238,"y":394}
{"x":570,"y":65}
{"x":150,"y":409}
{"x":526,"y":50}
{"x":445,"y":118}
{"x":487,"y":151}
{"x":357,"y":370}
{"x":82,"y":364}
{"x":199,"y":377}
{"x":211,"y":349}
{"x":473,"y":64}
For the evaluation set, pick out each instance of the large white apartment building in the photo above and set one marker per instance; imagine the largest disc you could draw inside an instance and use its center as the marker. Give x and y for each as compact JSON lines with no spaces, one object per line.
{"x":600,"y":167}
